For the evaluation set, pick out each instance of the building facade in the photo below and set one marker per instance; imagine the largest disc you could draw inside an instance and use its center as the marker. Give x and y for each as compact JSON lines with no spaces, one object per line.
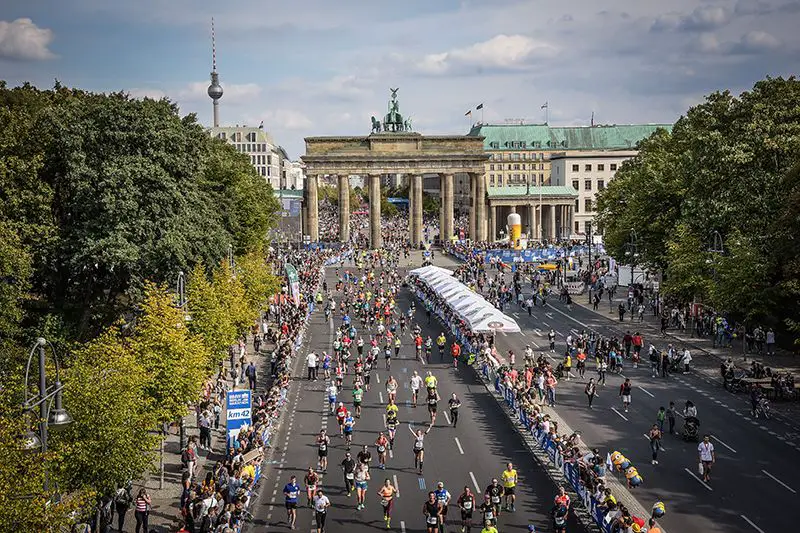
{"x":588,"y":173}
{"x":269,"y":159}
{"x":520,"y":153}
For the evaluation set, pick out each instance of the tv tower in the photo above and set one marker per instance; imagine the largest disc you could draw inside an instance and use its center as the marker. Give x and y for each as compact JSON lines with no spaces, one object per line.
{"x":215,"y":89}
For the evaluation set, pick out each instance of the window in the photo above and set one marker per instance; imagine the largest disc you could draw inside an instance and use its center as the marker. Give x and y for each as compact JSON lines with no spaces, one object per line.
{"x":541,"y":156}
{"x":269,"y":171}
{"x":587,"y":204}
{"x":221,"y":135}
{"x":587,"y":185}
{"x":587,"y":226}
{"x":587,"y":168}
{"x":509,"y":166}
{"x":575,"y":168}
{"x":516,"y":166}
{"x":601,"y":167}
{"x":577,"y":207}
{"x":601,"y":185}
{"x":612,"y":167}
{"x":499,"y":180}
{"x":541,"y":178}
{"x":269,"y":159}
{"x":491,"y":167}
{"x":523,"y":156}
{"x":515,"y":157}
{"x":523,"y":166}
{"x":491,"y":180}
{"x":577,"y":226}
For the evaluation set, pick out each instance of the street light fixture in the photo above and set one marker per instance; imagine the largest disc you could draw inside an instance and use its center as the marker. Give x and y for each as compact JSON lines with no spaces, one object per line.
{"x":632,"y":250}
{"x":48,"y":400}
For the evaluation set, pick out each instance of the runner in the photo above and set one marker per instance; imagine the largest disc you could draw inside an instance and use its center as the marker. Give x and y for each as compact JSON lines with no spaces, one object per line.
{"x":430,"y":382}
{"x":290,"y":491}
{"x":455,"y":404}
{"x":349,"y":469}
{"x":488,"y":527}
{"x":358,"y":395}
{"x":590,"y":391}
{"x":443,"y":497}
{"x":707,"y":456}
{"x":341,"y":414}
{"x":487,"y":508}
{"x":655,"y":442}
{"x":364,"y":457}
{"x":311,"y":480}
{"x":466,"y":502}
{"x":391,"y":389}
{"x":441,"y":341}
{"x":416,"y":383}
{"x":419,"y":446}
{"x":382,"y":445}
{"x":391,"y":421}
{"x":332,"y":390}
{"x":361,"y":479}
{"x":321,"y":504}
{"x":433,"y":513}
{"x":494,"y":492}
{"x":509,"y":485}
{"x":349,"y":426}
{"x":433,"y":401}
{"x":387,"y":493}
{"x":322,"y":450}
{"x":625,"y":393}
{"x":551,"y":337}
{"x":455,"y":351}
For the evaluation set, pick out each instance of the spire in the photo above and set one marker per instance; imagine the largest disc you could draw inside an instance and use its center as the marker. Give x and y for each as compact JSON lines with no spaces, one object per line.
{"x":215,"y":89}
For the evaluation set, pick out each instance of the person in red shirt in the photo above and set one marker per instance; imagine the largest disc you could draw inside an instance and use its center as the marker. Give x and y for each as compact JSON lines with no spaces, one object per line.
{"x":627,"y":342}
{"x":638,"y":341}
{"x":562,"y":498}
{"x":455,"y":351}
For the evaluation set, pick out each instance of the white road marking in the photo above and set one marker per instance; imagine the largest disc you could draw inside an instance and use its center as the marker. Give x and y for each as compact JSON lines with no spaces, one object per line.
{"x":475,"y":482}
{"x":538,"y":332}
{"x":380,"y":397}
{"x":699,"y":480}
{"x":549,"y":315}
{"x":645,"y":391}
{"x":787,"y":487}
{"x":560,"y":333}
{"x":396,"y":485}
{"x":546,"y":324}
{"x":446,"y":417}
{"x":515,"y":314}
{"x":751,"y":523}
{"x":378,"y":378}
{"x":523,"y":333}
{"x":458,"y":443}
{"x":620,"y":414}
{"x":716,"y":439}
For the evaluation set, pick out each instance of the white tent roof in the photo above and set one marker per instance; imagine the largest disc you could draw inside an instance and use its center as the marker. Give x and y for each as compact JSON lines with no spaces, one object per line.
{"x":480,"y":315}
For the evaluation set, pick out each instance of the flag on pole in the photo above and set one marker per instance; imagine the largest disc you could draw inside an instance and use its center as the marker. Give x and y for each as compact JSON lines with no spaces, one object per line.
{"x":593,"y":119}
{"x":468,"y":113}
{"x":544,"y":106}
{"x":480,"y":106}
{"x":609,"y":463}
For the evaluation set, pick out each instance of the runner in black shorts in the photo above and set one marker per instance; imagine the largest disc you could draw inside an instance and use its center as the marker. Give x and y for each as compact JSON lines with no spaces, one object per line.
{"x":466,"y":502}
{"x":433,"y":398}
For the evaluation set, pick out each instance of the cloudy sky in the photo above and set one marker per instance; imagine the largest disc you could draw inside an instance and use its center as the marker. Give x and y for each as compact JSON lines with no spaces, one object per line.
{"x":321,"y":67}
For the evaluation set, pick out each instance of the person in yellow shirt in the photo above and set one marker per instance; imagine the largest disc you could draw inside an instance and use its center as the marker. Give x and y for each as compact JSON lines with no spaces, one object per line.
{"x":488,"y":527}
{"x":509,"y":478}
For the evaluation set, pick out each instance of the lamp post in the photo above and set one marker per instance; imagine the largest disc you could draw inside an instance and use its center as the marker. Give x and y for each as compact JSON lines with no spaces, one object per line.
{"x":632,"y":251}
{"x":231,"y":261}
{"x":589,"y":244}
{"x":48,"y":400}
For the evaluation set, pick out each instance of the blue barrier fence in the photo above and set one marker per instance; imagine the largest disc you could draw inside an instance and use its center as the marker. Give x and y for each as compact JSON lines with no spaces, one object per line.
{"x":531,"y":255}
{"x":571,"y":471}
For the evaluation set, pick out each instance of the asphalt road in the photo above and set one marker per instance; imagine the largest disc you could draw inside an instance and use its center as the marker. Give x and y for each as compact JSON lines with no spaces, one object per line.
{"x":470,"y":454}
{"x":754,"y":482}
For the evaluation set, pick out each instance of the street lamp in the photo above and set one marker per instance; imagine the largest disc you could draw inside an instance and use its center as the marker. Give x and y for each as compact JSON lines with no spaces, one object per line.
{"x":48,"y":400}
{"x":589,"y":244}
{"x":181,"y":289}
{"x":231,"y":262}
{"x":632,"y":250}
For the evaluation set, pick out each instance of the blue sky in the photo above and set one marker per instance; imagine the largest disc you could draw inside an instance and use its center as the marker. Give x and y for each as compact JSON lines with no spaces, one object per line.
{"x":316,"y":67}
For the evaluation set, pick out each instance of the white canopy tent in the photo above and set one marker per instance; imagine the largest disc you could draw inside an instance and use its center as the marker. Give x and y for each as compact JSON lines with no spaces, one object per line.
{"x":479,"y":315}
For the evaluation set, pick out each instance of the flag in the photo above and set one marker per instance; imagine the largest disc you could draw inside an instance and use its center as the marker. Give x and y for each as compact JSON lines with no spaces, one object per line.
{"x":468,"y":113}
{"x":544,"y":106}
{"x":261,"y":126}
{"x":479,"y":107}
{"x":593,"y":119}
{"x":609,"y":463}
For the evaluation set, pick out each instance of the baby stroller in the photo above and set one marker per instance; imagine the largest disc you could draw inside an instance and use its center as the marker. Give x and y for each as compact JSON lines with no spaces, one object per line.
{"x":690,"y":429}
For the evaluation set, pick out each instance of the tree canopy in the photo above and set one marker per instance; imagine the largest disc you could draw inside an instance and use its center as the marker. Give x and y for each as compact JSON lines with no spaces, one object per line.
{"x":730,"y":166}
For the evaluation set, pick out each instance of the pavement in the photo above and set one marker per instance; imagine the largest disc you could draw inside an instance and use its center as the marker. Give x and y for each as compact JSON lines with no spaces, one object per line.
{"x":471,"y":454}
{"x":757,"y":460}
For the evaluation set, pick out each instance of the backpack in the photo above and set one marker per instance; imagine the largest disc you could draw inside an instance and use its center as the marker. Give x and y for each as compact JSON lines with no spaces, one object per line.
{"x":121,"y":497}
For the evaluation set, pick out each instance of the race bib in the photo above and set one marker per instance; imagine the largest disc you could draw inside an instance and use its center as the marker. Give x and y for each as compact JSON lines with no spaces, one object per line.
{"x":467,"y":505}
{"x":323,"y":447}
{"x":349,"y":475}
{"x":495,"y":499}
{"x":292,"y":495}
{"x":384,"y":502}
{"x":417,"y":445}
{"x":489,"y":515}
{"x":381,"y":449}
{"x":432,"y":520}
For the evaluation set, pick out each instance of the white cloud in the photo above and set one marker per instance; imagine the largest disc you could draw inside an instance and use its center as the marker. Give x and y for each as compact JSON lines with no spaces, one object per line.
{"x":703,"y":18}
{"x":754,"y":42}
{"x":501,"y":52}
{"x":288,"y":119}
{"x":24,"y":40}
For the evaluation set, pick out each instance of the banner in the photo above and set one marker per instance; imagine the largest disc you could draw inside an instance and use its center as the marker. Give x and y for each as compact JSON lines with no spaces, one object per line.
{"x":238,"y":412}
{"x":294,"y":283}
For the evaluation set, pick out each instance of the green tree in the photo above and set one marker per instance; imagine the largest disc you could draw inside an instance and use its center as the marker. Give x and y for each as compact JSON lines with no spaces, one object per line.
{"x":175,"y":361}
{"x":111,"y":441}
{"x":257,"y":279}
{"x":209,"y":314}
{"x":15,"y":272}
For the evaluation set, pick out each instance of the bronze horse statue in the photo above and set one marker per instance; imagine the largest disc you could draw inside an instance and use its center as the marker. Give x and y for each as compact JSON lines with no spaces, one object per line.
{"x":376,"y":125}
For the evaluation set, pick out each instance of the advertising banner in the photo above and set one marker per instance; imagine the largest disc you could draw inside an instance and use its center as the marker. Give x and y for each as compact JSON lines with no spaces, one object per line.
{"x":294,"y":282}
{"x":238,"y":413}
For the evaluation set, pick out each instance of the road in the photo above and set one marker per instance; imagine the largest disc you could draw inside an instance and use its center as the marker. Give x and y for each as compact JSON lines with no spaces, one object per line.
{"x":470,"y":454}
{"x":755,"y":481}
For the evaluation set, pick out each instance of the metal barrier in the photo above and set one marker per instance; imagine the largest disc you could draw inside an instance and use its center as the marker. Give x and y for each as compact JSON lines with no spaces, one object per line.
{"x":571,"y":471}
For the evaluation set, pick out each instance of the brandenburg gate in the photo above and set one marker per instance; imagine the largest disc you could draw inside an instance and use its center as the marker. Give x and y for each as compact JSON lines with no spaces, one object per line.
{"x":393,"y":148}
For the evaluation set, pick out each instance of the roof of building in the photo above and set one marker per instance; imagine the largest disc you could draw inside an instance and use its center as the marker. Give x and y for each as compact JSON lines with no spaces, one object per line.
{"x":295,"y":194}
{"x":594,"y":154}
{"x":547,"y":191}
{"x":544,"y":137}
{"x":262,"y":135}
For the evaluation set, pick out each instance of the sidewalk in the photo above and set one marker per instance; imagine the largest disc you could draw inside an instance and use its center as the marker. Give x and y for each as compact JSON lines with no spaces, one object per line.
{"x":166,"y":501}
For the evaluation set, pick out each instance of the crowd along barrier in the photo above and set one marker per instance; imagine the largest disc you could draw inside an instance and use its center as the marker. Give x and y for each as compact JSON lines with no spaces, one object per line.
{"x":571,"y":471}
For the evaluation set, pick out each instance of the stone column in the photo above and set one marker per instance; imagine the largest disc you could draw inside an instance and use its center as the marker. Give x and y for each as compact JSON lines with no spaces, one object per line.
{"x":410,"y":208}
{"x":375,"y":211}
{"x":492,"y":223}
{"x":312,"y":207}
{"x":473,"y":184}
{"x":532,"y":221}
{"x":442,"y":208}
{"x":416,"y":238}
{"x":344,"y":208}
{"x":449,"y":224}
{"x":480,"y":215}
{"x":552,"y":221}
